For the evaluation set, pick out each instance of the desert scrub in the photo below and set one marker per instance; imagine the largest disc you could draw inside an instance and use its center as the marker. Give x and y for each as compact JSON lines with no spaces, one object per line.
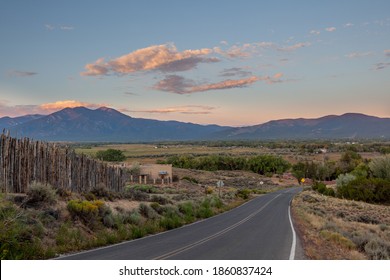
{"x":39,"y":195}
{"x":187,"y":209}
{"x":20,"y":233}
{"x":147,"y":211}
{"x":171,"y":220}
{"x":333,"y":228}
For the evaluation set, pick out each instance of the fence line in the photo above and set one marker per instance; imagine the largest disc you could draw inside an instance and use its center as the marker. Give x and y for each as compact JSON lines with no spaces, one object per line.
{"x":23,"y":161}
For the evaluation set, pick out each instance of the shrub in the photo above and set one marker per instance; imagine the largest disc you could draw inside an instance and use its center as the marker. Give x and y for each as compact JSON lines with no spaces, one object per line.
{"x":134,"y":218}
{"x":147,"y":211}
{"x":205,"y":210}
{"x":187,"y":209}
{"x":338,"y":239}
{"x":216,"y":202}
{"x":344,"y":179}
{"x":208,"y":190}
{"x":157,"y":207}
{"x":87,"y":211}
{"x":39,"y":194}
{"x":380,"y":167}
{"x":243,"y":193}
{"x":321,"y":188}
{"x":20,"y":234}
{"x":190,"y":179}
{"x":101,"y":191}
{"x":377,"y":249}
{"x":171,"y":219}
{"x":160,"y":199}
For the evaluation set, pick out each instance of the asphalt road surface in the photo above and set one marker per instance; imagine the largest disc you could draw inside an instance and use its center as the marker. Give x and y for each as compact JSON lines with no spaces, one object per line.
{"x":260,"y":229}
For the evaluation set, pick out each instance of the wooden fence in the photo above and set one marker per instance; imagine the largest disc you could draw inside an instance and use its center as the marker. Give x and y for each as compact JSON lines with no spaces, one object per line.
{"x":23,"y":161}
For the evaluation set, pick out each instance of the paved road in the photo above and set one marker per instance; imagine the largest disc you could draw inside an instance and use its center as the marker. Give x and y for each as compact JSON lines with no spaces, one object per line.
{"x":259,"y":229}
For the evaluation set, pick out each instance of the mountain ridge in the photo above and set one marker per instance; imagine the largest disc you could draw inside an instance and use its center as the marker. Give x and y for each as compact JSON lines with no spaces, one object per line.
{"x":105,"y":124}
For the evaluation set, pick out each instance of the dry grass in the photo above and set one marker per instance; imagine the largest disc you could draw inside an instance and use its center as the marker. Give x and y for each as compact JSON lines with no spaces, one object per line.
{"x":332,"y":228}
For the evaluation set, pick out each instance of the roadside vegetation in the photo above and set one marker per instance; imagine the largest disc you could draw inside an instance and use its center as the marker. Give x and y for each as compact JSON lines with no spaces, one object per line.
{"x":45,"y":223}
{"x":351,"y":218}
{"x":333,"y":228}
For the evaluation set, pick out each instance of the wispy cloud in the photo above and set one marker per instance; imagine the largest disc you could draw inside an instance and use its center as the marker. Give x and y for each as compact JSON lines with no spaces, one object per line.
{"x":185,"y":109}
{"x":294,"y":47}
{"x":358,"y":54}
{"x":387,"y":53}
{"x":330,"y":29}
{"x":348,"y":25}
{"x":51,"y":27}
{"x":381,"y":65}
{"x":315,"y":32}
{"x":180,"y":85}
{"x":66,"y":27}
{"x":165,"y":58}
{"x":244,"y":50}
{"x":235,"y":72}
{"x":17,"y":73}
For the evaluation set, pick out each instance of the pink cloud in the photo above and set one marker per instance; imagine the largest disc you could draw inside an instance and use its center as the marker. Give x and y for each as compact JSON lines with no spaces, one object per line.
{"x":43,"y":109}
{"x":185,"y":109}
{"x":165,"y":58}
{"x":294,"y":47}
{"x":243,"y":51}
{"x":227,"y":84}
{"x":330,"y":29}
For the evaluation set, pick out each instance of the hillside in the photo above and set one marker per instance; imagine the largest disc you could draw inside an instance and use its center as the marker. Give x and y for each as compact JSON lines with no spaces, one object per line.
{"x":108,"y":125}
{"x":347,"y":126}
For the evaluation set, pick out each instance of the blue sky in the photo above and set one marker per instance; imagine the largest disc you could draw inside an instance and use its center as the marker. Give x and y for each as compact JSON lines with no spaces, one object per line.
{"x":225,"y":62}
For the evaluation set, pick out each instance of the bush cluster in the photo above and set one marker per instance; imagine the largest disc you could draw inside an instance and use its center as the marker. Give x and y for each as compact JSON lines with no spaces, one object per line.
{"x":372,"y":190}
{"x":323,"y":189}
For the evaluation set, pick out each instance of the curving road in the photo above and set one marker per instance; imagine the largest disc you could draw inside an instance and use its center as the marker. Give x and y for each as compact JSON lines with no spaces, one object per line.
{"x":259,"y":229}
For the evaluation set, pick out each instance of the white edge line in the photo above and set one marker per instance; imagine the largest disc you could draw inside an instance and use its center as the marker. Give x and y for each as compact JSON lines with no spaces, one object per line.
{"x":294,"y":241}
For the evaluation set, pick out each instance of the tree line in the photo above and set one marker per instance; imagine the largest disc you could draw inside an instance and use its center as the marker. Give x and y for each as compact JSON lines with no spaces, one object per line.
{"x":262,"y":164}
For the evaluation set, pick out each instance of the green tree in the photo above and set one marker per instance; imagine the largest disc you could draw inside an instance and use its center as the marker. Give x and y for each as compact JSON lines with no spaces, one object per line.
{"x":349,"y":161}
{"x":111,"y":155}
{"x":380,"y":167}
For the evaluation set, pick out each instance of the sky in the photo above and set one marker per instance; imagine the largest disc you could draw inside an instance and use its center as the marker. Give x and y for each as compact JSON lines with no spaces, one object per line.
{"x":234,"y":63}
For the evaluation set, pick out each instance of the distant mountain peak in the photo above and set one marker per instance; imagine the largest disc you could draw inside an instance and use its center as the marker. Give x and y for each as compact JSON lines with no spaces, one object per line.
{"x":107,"y":124}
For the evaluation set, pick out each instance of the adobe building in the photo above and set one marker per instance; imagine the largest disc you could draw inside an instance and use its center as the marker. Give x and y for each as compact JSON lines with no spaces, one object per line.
{"x":154,"y":173}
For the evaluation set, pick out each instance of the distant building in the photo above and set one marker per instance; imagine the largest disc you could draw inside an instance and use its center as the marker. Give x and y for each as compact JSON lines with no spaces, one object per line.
{"x":151,"y":173}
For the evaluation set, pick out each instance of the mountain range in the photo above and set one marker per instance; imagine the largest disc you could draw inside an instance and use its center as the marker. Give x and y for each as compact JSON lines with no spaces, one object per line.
{"x":108,"y":125}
